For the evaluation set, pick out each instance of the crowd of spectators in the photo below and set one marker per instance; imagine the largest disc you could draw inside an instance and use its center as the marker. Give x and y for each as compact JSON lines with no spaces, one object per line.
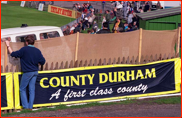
{"x":123,"y":16}
{"x":86,"y":21}
{"x":127,"y":20}
{"x":82,"y":8}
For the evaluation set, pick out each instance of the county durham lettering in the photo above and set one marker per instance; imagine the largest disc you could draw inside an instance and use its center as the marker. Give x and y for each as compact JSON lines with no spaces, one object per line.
{"x":120,"y":76}
{"x":112,"y":77}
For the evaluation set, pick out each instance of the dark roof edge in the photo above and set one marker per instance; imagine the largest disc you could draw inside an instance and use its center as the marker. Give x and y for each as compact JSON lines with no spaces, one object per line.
{"x":143,"y":16}
{"x":154,"y":17}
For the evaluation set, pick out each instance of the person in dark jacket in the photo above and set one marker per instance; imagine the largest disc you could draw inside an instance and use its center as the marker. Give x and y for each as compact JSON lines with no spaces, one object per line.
{"x":105,"y":29}
{"x":30,"y":58}
{"x":147,"y":7}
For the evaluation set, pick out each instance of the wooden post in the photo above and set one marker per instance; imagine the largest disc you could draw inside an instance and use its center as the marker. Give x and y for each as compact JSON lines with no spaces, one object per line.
{"x":76,"y":51}
{"x":140,"y":46}
{"x":17,"y":68}
{"x":5,"y":57}
{"x":178,"y":42}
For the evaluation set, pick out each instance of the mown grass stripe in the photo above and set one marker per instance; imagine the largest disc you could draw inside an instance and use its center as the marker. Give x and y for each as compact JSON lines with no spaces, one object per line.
{"x":15,"y":16}
{"x":167,"y":100}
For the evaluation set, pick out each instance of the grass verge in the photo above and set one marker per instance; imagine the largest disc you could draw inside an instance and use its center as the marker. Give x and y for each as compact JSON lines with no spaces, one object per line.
{"x":12,"y":15}
{"x":167,"y":100}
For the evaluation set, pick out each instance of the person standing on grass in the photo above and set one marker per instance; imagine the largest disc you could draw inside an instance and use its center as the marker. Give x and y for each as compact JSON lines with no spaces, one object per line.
{"x":30,"y":58}
{"x":108,"y":17}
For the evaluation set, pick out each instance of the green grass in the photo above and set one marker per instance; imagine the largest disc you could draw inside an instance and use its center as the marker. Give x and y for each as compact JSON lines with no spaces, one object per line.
{"x":172,"y":100}
{"x":168,"y":100}
{"x":12,"y":15}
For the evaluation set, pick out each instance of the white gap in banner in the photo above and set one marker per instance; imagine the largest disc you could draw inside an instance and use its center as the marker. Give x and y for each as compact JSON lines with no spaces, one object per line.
{"x":22,"y":4}
{"x":176,"y":94}
{"x":156,"y":96}
{"x":76,"y":104}
{"x":41,"y":7}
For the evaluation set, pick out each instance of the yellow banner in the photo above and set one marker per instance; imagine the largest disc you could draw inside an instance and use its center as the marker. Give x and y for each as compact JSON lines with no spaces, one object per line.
{"x":63,"y":11}
{"x":16,"y":91}
{"x":45,"y":76}
{"x":7,"y":101}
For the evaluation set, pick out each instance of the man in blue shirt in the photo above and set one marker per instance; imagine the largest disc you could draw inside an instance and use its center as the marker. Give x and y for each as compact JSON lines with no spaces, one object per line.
{"x":30,"y":58}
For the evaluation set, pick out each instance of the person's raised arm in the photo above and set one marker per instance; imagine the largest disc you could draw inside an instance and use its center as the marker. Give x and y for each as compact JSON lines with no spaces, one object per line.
{"x":8,"y":46}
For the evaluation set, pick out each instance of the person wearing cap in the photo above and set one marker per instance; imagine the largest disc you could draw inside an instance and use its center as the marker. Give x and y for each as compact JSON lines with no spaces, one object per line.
{"x":30,"y":59}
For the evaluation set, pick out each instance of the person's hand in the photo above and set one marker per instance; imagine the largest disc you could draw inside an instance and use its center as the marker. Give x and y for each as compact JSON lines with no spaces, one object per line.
{"x":9,"y":39}
{"x":9,"y":49}
{"x":7,"y":43}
